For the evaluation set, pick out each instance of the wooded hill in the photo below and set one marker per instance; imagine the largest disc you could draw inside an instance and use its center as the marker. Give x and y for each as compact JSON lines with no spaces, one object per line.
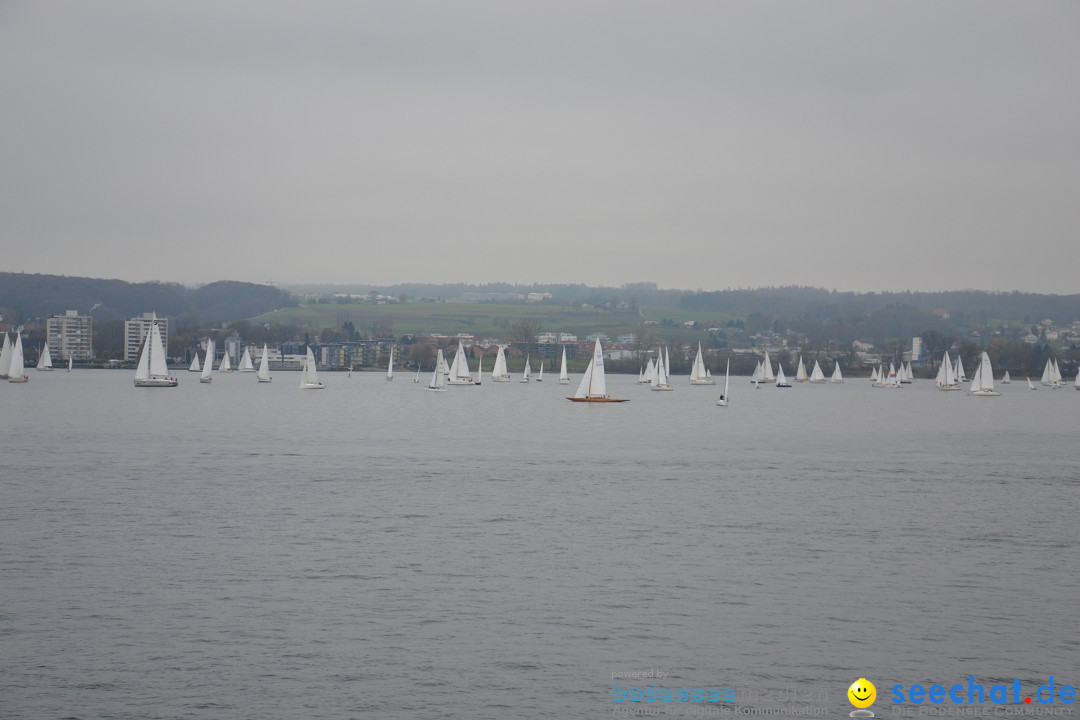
{"x":25,"y":297}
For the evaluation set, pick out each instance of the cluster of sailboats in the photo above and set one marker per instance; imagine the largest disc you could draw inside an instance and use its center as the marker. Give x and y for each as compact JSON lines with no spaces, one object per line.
{"x":13,"y":361}
{"x":763,"y":373}
{"x":152,"y":371}
{"x":459,"y":373}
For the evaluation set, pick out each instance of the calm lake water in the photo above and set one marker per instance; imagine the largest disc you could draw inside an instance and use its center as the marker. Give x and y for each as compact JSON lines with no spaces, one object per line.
{"x":378,"y":550}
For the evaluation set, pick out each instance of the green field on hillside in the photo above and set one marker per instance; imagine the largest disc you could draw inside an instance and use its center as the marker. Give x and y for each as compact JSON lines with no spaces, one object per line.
{"x":486,"y":319}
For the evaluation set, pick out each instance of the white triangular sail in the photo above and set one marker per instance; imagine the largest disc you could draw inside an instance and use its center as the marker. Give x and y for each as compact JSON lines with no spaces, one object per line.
{"x":837,"y":376}
{"x":194,"y":366}
{"x":650,"y":371}
{"x":45,"y":358}
{"x":660,"y":377}
{"x":1031,"y":385}
{"x":540,"y":375}
{"x":766,"y":367}
{"x":438,"y":376}
{"x":245,"y":362}
{"x":1048,"y":373}
{"x":781,"y":379}
{"x":526,"y":374}
{"x":909,"y":374}
{"x":459,"y":370}
{"x":593,"y":383}
{"x":309,"y":376}
{"x":1006,"y":380}
{"x":699,"y":375}
{"x":17,"y":369}
{"x":225,"y":365}
{"x":1057,"y":373}
{"x":724,"y":399}
{"x":800,"y":372}
{"x":390,"y":365}
{"x":759,"y":373}
{"x":499,"y":372}
{"x":960,"y":376}
{"x":564,"y":378}
{"x":5,"y":357}
{"x":264,"y":367}
{"x":817,"y":376}
{"x":983,"y":382}
{"x":208,"y":363}
{"x":153,"y":370}
{"x":71,"y":361}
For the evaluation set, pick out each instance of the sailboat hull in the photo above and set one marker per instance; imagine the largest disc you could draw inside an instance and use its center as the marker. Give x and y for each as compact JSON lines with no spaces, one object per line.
{"x":567,"y":382}
{"x":312,"y":386}
{"x":597,"y":400}
{"x":984,"y":393}
{"x":265,"y":380}
{"x":662,"y":388}
{"x":206,"y":379}
{"x":157,"y":382}
{"x":702,"y":381}
{"x":19,"y":379}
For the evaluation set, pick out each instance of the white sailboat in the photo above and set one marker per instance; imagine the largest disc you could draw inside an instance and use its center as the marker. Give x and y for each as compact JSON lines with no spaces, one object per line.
{"x":71,"y":361}
{"x":909,"y":374}
{"x":1076,"y":382}
{"x":837,"y":377}
{"x":759,"y":373}
{"x":225,"y":365}
{"x":194,"y":366}
{"x":1058,"y":380}
{"x":650,"y":372}
{"x":875,"y":376}
{"x":726,"y":398}
{"x":960,"y":376}
{"x":1031,"y":385}
{"x":781,"y":379}
{"x":982,"y":385}
{"x":153,"y":370}
{"x":1006,"y":380}
{"x":766,"y":367}
{"x":390,"y":365}
{"x":479,"y":367}
{"x":698,"y":374}
{"x":564,"y":378}
{"x":264,"y":367}
{"x":526,"y":375}
{"x":208,"y":363}
{"x":816,"y":375}
{"x":459,"y":370}
{"x":946,"y":377}
{"x":45,"y":358}
{"x":800,"y":372}
{"x":245,"y":362}
{"x":660,"y":378}
{"x":499,"y":373}
{"x":540,"y":375}
{"x":309,"y":376}
{"x":17,"y":370}
{"x":417,"y":378}
{"x":438,"y":376}
{"x":5,"y":357}
{"x":593,"y":385}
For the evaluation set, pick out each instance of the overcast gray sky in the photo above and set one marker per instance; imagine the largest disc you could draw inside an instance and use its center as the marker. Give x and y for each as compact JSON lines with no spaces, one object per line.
{"x":856,"y":145}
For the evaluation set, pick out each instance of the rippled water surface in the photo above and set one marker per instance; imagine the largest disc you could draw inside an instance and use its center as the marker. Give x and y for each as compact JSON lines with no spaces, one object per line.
{"x":377,"y":550}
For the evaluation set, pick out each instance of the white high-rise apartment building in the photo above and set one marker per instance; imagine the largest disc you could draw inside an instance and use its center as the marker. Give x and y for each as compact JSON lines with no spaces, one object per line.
{"x":135,"y":331}
{"x":70,"y":335}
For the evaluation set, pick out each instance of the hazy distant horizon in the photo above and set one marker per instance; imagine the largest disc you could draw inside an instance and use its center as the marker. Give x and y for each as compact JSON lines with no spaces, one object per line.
{"x":866,"y":146}
{"x":291,"y":286}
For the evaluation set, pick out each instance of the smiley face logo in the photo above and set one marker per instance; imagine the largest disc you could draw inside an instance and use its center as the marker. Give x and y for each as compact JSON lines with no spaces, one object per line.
{"x":862,"y":693}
